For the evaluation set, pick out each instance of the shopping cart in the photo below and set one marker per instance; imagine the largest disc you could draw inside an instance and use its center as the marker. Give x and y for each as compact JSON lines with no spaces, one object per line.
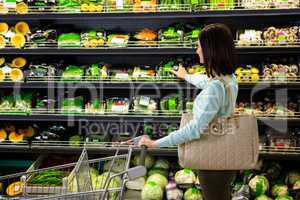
{"x":79,"y":180}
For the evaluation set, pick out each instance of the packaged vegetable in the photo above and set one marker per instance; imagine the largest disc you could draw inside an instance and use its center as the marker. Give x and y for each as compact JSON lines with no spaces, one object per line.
{"x":259,"y":185}
{"x":159,"y":179}
{"x":279,"y":190}
{"x":69,"y":40}
{"x":152,"y":191}
{"x":93,"y":39}
{"x":72,"y":72}
{"x":192,"y":194}
{"x":72,"y":104}
{"x":118,"y":105}
{"x":185,"y":176}
{"x":144,"y":104}
{"x":115,"y":40}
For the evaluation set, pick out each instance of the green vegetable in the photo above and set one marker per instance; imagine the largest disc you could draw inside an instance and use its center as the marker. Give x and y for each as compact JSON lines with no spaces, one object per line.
{"x":49,"y":177}
{"x":185,"y":176}
{"x":193,"y":194}
{"x":99,"y":183}
{"x":279,"y":190}
{"x":163,"y":172}
{"x":296,"y":185}
{"x":284,"y":197}
{"x":162,"y":164}
{"x":75,"y":140}
{"x":259,"y":185}
{"x":159,"y":179}
{"x":263,"y":197}
{"x":292,"y":177}
{"x":69,"y":40}
{"x":149,"y":161}
{"x":73,"y":72}
{"x":72,"y":104}
{"x":118,"y":165}
{"x":152,"y":191}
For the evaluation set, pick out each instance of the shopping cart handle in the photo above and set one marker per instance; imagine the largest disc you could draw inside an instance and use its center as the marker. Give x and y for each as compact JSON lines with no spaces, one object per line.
{"x":136,"y":172}
{"x":143,"y":155}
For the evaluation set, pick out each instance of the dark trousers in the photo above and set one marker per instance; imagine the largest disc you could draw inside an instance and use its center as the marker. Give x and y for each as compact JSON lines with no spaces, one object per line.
{"x":216,"y":185}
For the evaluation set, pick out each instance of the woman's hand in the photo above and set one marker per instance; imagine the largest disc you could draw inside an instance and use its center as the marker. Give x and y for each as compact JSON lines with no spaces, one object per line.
{"x":180,"y":73}
{"x":145,"y":140}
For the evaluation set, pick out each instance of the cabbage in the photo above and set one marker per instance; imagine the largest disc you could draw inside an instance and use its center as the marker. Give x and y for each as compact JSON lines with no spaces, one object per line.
{"x":163,"y":172}
{"x":99,"y":183}
{"x":297,"y":185}
{"x":118,"y":165}
{"x":284,"y":197}
{"x":158,"y":179}
{"x":162,"y":164}
{"x":149,"y":161}
{"x":279,"y":190}
{"x":192,"y":194}
{"x":152,"y":191}
{"x":259,"y":185}
{"x":136,"y":184}
{"x":262,"y":197}
{"x":185,"y":176}
{"x":292,"y":177}
{"x":93,"y":173}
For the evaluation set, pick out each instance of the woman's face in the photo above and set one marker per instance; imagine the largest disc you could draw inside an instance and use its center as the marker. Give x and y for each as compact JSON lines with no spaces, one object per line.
{"x":200,"y":53}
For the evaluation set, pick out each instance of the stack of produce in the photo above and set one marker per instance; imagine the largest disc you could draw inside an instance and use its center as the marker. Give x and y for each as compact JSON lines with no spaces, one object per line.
{"x":16,"y":134}
{"x":146,"y":37}
{"x":69,"y":40}
{"x":144,"y":104}
{"x":258,"y":4}
{"x":12,"y":71}
{"x":281,"y":72}
{"x":15,"y":36}
{"x":72,"y":105}
{"x":247,"y":74}
{"x":145,"y":6}
{"x":93,"y":39}
{"x":92,"y":5}
{"x":270,"y":36}
{"x":43,"y":38}
{"x":21,"y":103}
{"x":171,"y":36}
{"x":266,"y":107}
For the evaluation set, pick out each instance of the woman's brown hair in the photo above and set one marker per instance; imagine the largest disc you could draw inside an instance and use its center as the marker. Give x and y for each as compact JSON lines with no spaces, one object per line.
{"x":217,"y":45}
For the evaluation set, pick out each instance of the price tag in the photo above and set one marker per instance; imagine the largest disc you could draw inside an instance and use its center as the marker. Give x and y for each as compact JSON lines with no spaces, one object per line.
{"x":144,"y":101}
{"x":119,"y":4}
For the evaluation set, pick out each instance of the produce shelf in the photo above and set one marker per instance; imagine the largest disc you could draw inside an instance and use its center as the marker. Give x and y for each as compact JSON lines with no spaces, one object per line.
{"x":60,"y":147}
{"x":181,"y":13}
{"x":170,"y":83}
{"x":146,"y":51}
{"x":131,"y":116}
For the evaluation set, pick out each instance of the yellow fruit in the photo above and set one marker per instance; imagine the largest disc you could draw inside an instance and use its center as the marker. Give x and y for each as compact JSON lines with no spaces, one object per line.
{"x":84,"y":7}
{"x":15,"y":137}
{"x":22,"y":8}
{"x":2,"y":61}
{"x":2,"y":75}
{"x":16,"y":75}
{"x":254,"y":77}
{"x":14,"y":189}
{"x":3,"y":135}
{"x":92,"y":8}
{"x":2,"y":42}
{"x":22,"y":28}
{"x":93,"y":43}
{"x":238,"y":70}
{"x":28,"y":132}
{"x":254,"y":70}
{"x":3,"y":27}
{"x":99,"y":8}
{"x":19,"y":62}
{"x":18,"y":40}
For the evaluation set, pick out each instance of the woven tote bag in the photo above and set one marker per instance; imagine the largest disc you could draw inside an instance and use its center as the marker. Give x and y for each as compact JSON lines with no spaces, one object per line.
{"x":229,"y":143}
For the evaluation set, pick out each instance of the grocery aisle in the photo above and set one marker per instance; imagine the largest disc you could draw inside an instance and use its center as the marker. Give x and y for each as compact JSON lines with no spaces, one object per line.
{"x":83,"y":74}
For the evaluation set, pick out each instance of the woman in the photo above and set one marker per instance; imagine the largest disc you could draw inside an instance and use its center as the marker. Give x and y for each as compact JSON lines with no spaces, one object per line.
{"x":216,"y":51}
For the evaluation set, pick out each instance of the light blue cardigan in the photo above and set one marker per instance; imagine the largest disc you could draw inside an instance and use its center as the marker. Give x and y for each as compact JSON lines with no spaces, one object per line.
{"x":210,"y":103}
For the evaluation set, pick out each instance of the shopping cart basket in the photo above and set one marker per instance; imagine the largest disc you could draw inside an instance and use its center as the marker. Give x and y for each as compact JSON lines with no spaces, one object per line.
{"x":79,"y":180}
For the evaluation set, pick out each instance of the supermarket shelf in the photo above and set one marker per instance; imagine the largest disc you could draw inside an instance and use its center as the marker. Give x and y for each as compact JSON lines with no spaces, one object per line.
{"x":157,"y":15}
{"x":172,"y":118}
{"x":123,"y":84}
{"x":269,"y":120}
{"x":270,"y":153}
{"x":146,"y":51}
